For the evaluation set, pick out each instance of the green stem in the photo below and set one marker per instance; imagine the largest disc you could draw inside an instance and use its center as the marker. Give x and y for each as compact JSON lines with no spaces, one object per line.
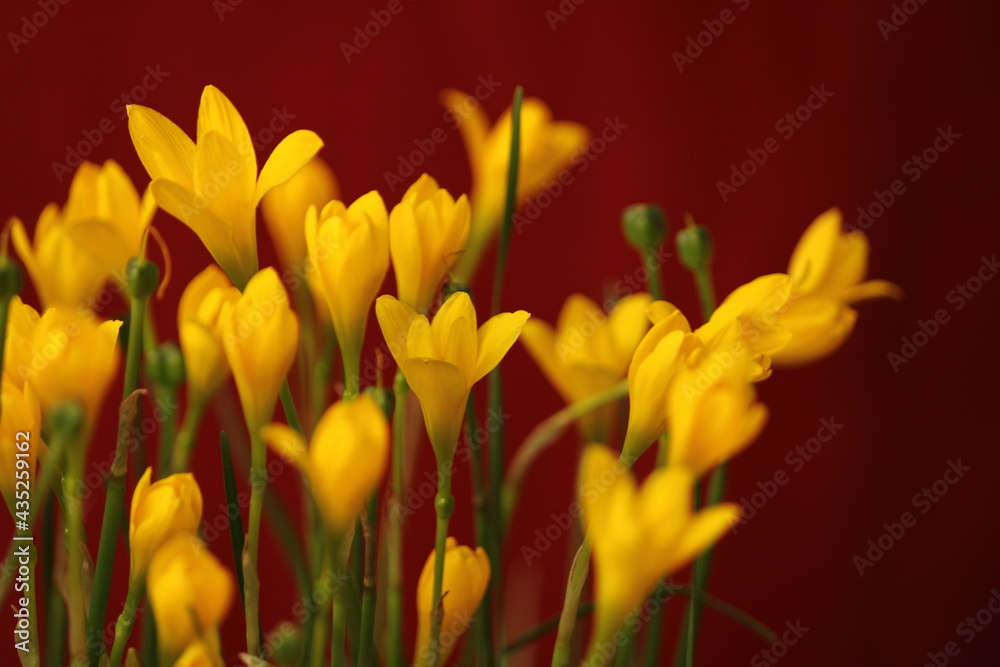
{"x":655,"y":282}
{"x":352,"y":372}
{"x":322,"y":368}
{"x":258,"y":485}
{"x":484,"y":626}
{"x":444,"y":504}
{"x":369,"y":523}
{"x":55,"y":612}
{"x":288,"y":405}
{"x":706,"y":292}
{"x":180,"y":459}
{"x":72,"y":488}
{"x":571,"y":603}
{"x":115,"y":498}
{"x":166,"y":395}
{"x":338,"y":649}
{"x":126,"y":620}
{"x":394,"y":537}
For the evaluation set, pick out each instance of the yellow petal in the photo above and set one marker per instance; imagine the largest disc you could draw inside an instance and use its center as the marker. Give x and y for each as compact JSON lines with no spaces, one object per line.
{"x":827,"y":260}
{"x":819,"y":325}
{"x":164,"y":149}
{"x":454,"y":333}
{"x":217,"y":114}
{"x":872,"y":289}
{"x":290,"y":155}
{"x":394,"y":318}
{"x":443,"y":392}
{"x":287,"y":443}
{"x":497,"y":335}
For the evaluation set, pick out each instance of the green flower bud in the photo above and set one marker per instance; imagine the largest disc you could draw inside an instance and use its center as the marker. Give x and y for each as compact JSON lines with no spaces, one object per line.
{"x":694,"y":246}
{"x":644,"y":226}
{"x":142,"y":277}
{"x":165,"y":365}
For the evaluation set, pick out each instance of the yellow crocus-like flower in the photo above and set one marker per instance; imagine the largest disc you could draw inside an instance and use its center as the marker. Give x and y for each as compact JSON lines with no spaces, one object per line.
{"x":443,"y":359}
{"x":661,"y":354}
{"x":466,"y":575}
{"x":547,"y":146}
{"x":349,"y":248}
{"x":284,"y":208}
{"x":346,"y":459}
{"x":755,"y":307}
{"x":190,"y":593}
{"x":713,"y":413}
{"x":827,"y":269}
{"x":212,"y":185}
{"x":22,"y":320}
{"x":427,"y":233}
{"x":161,"y":510}
{"x":20,"y":437}
{"x":639,"y":536}
{"x":260,"y":335}
{"x":200,"y":331}
{"x":202,"y":653}
{"x":72,"y":357}
{"x":588,"y":352}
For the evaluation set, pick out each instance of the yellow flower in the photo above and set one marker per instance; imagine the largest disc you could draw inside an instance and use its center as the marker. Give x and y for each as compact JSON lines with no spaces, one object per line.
{"x":200,"y":331}
{"x":639,"y":536}
{"x":190,"y":593}
{"x":22,"y":320}
{"x":427,"y":233}
{"x":755,"y":307}
{"x":202,"y":653}
{"x":466,"y":575}
{"x":73,"y":357}
{"x":161,"y":510}
{"x":441,"y":361}
{"x":587,"y":352}
{"x":20,"y":438}
{"x":260,"y":335}
{"x":212,"y":185}
{"x":349,"y":248}
{"x":547,"y":147}
{"x":827,"y":270}
{"x":712,"y":412}
{"x":285,"y":206}
{"x":658,"y":358}
{"x":346,"y":459}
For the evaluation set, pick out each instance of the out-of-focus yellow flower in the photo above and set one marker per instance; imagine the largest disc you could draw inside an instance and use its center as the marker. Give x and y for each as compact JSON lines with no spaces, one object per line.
{"x":200,"y":331}
{"x":73,"y":357}
{"x":345,"y":460}
{"x":20,"y":437}
{"x":587,"y":352}
{"x":285,"y":206}
{"x":755,"y":306}
{"x":22,"y":320}
{"x":466,"y":575}
{"x":260,"y":335}
{"x":202,"y":653}
{"x":713,"y":413}
{"x":349,"y":247}
{"x":640,"y":535}
{"x":660,"y":355}
{"x":190,"y":593}
{"x":212,"y":186}
{"x":827,"y":270}
{"x":428,"y":229}
{"x":161,"y":510}
{"x":443,"y":359}
{"x":547,"y":146}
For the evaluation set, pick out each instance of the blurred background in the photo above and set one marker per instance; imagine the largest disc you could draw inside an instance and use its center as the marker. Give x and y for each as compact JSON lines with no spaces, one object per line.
{"x":691,"y":90}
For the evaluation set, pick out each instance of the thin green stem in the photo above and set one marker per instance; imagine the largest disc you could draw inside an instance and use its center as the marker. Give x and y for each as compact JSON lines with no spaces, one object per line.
{"x":484,"y":626}
{"x":394,"y":537}
{"x":126,"y":620}
{"x":571,"y":603}
{"x":338,"y":649}
{"x":73,"y":490}
{"x":655,"y":282}
{"x":180,"y":459}
{"x":166,"y":394}
{"x":352,"y":372}
{"x":55,"y":612}
{"x":288,"y":405}
{"x":369,"y":523}
{"x":258,"y":485}
{"x":444,"y":504}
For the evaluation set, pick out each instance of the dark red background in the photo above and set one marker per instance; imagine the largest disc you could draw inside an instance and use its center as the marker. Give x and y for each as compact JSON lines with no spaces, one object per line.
{"x":684,"y":130}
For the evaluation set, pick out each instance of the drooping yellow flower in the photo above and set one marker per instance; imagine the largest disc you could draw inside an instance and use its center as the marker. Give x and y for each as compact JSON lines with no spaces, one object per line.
{"x":22,"y":320}
{"x":713,"y":413}
{"x":20,"y":438}
{"x":260,"y":335}
{"x":639,"y":536}
{"x":212,"y":185}
{"x":547,"y":147}
{"x":349,"y":248}
{"x":190,"y":593}
{"x":466,"y":575}
{"x":161,"y":510}
{"x":284,"y":208}
{"x":660,"y":355}
{"x":588,"y":352}
{"x":202,"y":653}
{"x":827,"y":269}
{"x":73,"y":357}
{"x":200,"y":331}
{"x":346,"y":459}
{"x":443,"y":359}
{"x":428,"y":230}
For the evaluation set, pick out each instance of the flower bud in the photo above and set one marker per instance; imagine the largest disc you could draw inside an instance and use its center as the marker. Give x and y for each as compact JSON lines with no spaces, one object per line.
{"x":161,"y":510}
{"x":142,"y":277}
{"x":694,"y":246}
{"x":644,"y":226}
{"x":165,"y":365}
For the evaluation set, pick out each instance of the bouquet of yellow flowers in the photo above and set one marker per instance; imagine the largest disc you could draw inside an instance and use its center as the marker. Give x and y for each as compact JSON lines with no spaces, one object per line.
{"x":691,"y":391}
